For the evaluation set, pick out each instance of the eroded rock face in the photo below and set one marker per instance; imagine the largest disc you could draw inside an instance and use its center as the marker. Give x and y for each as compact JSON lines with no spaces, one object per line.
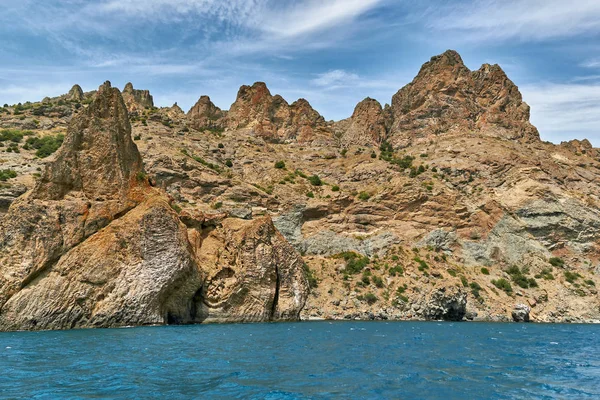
{"x":75,"y":94}
{"x":521,"y":313}
{"x":93,"y":245}
{"x":368,"y":125}
{"x":98,"y":157}
{"x":91,"y":181}
{"x":137,"y":100}
{"x":138,"y":270}
{"x":254,"y":274}
{"x":446,"y":97}
{"x":204,"y":114}
{"x":273,"y":118}
{"x":446,"y":303}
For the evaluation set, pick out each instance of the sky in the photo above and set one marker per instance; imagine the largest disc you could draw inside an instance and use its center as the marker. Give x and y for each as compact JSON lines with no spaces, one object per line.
{"x":333,"y":53}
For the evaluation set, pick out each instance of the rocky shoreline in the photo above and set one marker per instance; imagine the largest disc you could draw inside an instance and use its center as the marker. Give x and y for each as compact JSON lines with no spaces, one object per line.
{"x":443,"y":205}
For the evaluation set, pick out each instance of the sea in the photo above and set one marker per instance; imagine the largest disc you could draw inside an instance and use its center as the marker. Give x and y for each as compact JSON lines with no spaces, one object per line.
{"x":305,"y":360}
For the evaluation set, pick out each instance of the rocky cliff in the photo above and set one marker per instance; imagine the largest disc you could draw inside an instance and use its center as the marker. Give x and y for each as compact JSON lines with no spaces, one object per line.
{"x":94,"y":245}
{"x":273,"y":118}
{"x":443,"y":205}
{"x":137,"y":100}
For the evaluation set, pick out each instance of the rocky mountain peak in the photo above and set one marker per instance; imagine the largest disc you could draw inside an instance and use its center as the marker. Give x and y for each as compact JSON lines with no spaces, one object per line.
{"x":137,"y":100}
{"x":271,"y":116}
{"x":204,"y":114}
{"x":75,"y":94}
{"x":98,"y":157}
{"x":368,"y":125}
{"x":447,"y":98}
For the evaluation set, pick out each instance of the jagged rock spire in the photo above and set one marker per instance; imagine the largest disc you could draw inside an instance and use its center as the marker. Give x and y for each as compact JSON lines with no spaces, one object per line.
{"x":98,"y":157}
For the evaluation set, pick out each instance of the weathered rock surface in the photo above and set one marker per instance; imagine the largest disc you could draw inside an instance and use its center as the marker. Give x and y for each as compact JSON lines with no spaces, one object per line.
{"x":93,"y":245}
{"x":137,"y":100}
{"x":368,"y":125}
{"x":98,"y":157}
{"x":521,"y":313}
{"x":253,"y":274}
{"x":75,"y":94}
{"x":446,"y":97}
{"x":449,"y":304}
{"x":273,"y":118}
{"x":138,"y":270}
{"x":205,"y":115}
{"x":384,"y":236}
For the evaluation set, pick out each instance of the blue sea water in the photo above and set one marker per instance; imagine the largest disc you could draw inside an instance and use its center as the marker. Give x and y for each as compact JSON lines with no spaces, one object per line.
{"x":348,"y":360}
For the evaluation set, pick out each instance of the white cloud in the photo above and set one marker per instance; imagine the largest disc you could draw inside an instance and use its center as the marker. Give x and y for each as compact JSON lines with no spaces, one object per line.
{"x":594,"y":63}
{"x":520,"y":19}
{"x":336,"y":77}
{"x":565,"y":111}
{"x":313,"y":15}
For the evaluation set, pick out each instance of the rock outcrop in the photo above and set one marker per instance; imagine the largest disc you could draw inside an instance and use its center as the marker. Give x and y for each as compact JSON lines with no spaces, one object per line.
{"x":136,"y":271}
{"x":98,"y":158}
{"x":93,"y":245}
{"x":205,"y":115}
{"x":253,"y":274}
{"x":449,"y":304}
{"x":137,"y":100}
{"x":273,"y":118}
{"x":75,"y":94}
{"x":521,"y":313}
{"x":446,"y":97}
{"x":369,"y":124}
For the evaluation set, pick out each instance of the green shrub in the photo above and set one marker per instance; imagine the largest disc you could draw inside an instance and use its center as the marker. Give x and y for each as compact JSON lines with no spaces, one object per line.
{"x":590,"y":282}
{"x":364,"y":196}
{"x":485,"y":271}
{"x":6,"y":174}
{"x":221,"y":145}
{"x":13,"y":135}
{"x":310,"y":276}
{"x":556,"y":262}
{"x":571,"y":277}
{"x":475,"y":289}
{"x":355,"y":262}
{"x":370,"y":298}
{"x":464,"y":281}
{"x":546,"y":274}
{"x":141,"y":176}
{"x":310,"y":194}
{"x":451,"y":272}
{"x":175,"y":207}
{"x":378,"y":281}
{"x":279,"y":164}
{"x":217,"y":205}
{"x":519,"y":277}
{"x":229,"y":163}
{"x":503,"y":284}
{"x":335,"y":188}
{"x":373,"y":155}
{"x":422,"y":264}
{"x":315,"y":180}
{"x":46,"y":145}
{"x":397,"y":270}
{"x":365,"y":279}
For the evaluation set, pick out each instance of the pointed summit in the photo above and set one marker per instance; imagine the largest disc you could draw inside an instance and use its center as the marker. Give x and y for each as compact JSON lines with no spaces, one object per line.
{"x":98,"y":157}
{"x":137,"y":100}
{"x":271,"y":116}
{"x":368,"y":125}
{"x":204,"y":114}
{"x":75,"y":94}
{"x":446,"y":97}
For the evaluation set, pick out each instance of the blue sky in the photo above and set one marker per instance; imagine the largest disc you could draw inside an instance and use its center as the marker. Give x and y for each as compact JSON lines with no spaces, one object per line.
{"x":331,"y":52}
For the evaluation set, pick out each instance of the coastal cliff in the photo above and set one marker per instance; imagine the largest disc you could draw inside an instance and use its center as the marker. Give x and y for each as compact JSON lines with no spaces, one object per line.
{"x":444,"y":204}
